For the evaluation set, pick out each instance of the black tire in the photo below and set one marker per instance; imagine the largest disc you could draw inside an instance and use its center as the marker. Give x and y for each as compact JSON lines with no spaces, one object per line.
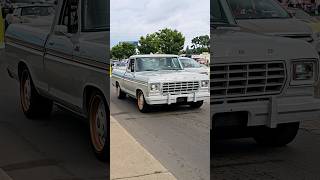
{"x":120,"y":93}
{"x":99,"y":123}
{"x":277,"y":137}
{"x":33,"y":104}
{"x":197,"y":104}
{"x":142,"y":105}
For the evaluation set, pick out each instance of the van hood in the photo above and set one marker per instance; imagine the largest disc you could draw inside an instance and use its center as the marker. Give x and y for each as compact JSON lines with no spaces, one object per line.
{"x":237,"y":46}
{"x":281,"y":27}
{"x":167,"y":76}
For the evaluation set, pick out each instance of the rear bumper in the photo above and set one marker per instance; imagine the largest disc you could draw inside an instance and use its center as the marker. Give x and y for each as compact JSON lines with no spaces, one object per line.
{"x":172,"y":99}
{"x":276,"y":110}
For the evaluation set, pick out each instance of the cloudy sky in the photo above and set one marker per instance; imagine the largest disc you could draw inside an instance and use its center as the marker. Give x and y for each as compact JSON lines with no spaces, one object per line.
{"x":131,"y":19}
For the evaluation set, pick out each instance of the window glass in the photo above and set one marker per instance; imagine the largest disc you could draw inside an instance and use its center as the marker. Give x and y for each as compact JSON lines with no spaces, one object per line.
{"x":95,"y":15}
{"x":156,"y":64}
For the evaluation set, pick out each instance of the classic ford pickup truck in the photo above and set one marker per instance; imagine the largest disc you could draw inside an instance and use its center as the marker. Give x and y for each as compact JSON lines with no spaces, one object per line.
{"x":261,"y":86}
{"x":65,"y":64}
{"x":160,"y":79}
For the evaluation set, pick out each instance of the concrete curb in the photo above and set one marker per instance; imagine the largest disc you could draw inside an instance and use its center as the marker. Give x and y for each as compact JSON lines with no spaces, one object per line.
{"x":130,"y":161}
{"x":4,"y":175}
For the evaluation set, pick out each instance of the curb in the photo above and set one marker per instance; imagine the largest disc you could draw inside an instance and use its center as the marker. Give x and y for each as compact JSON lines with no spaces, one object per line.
{"x":4,"y":175}
{"x":130,"y":161}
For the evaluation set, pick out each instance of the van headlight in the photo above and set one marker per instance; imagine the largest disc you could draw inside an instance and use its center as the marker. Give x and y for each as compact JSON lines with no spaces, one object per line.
{"x":154,"y":87}
{"x":304,"y":72}
{"x":205,"y":83}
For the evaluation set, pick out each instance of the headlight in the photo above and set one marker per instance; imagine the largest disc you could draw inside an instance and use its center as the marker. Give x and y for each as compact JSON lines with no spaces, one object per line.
{"x":154,"y":87}
{"x":205,"y":83}
{"x":303,"y":72}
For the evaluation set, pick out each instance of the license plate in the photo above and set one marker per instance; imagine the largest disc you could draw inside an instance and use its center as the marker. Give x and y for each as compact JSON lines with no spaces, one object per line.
{"x":182,"y":99}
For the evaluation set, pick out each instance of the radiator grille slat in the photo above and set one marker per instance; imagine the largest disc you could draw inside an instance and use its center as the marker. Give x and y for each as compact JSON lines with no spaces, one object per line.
{"x":180,"y":87}
{"x":247,"y":79}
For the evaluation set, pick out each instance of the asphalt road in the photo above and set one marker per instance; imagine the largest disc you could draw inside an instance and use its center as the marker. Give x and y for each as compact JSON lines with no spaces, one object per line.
{"x":243,"y":159}
{"x":176,"y":136}
{"x":53,"y":148}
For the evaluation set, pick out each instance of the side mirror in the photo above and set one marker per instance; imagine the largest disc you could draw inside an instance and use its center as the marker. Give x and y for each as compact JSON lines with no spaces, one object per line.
{"x":61,"y":30}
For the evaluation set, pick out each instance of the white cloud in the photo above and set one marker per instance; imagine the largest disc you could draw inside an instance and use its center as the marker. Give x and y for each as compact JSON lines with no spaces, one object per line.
{"x":131,"y":19}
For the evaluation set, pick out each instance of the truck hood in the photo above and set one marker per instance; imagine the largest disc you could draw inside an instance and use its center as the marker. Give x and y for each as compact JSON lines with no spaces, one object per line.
{"x":169,"y":76}
{"x":238,"y":46}
{"x":281,"y":27}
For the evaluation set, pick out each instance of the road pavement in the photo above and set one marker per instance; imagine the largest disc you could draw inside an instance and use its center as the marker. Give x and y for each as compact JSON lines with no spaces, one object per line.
{"x":243,"y":159}
{"x":53,"y":148}
{"x":177,"y":136}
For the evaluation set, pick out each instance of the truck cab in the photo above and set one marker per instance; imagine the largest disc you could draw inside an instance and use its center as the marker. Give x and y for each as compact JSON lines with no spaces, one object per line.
{"x":261,"y":86}
{"x":65,"y":63}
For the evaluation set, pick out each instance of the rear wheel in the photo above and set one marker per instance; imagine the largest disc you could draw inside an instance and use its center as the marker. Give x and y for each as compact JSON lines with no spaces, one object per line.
{"x":33,"y":105}
{"x":280,"y":136}
{"x":120,"y":93}
{"x":141,"y":103}
{"x":99,"y":127}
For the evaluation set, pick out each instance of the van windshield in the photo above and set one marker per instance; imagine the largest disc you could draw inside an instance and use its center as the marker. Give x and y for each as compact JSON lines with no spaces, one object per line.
{"x":157,"y":64}
{"x":257,"y":9}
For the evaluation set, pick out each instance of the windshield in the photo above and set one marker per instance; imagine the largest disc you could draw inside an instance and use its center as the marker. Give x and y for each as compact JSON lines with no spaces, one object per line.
{"x":157,"y":64}
{"x":217,"y":14}
{"x":95,"y":15}
{"x":189,"y":63}
{"x":26,"y":1}
{"x":37,"y":11}
{"x":257,"y":9}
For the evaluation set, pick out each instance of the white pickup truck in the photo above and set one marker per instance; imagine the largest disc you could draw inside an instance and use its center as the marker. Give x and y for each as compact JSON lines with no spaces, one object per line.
{"x":160,"y":79}
{"x":261,"y":86}
{"x":65,"y":63}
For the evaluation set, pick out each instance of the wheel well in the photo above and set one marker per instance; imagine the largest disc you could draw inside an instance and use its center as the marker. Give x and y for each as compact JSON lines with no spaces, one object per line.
{"x":87,"y":95}
{"x":137,"y":91}
{"x":21,"y":66}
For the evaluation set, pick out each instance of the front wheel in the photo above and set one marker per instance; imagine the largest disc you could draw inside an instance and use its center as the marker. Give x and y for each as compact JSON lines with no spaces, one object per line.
{"x":143,"y":106}
{"x":99,"y":126}
{"x":196,"y":104}
{"x":120,"y":93}
{"x":33,"y":105}
{"x":280,"y":136}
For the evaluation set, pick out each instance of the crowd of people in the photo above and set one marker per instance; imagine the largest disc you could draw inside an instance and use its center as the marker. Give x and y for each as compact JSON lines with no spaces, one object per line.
{"x":310,"y":6}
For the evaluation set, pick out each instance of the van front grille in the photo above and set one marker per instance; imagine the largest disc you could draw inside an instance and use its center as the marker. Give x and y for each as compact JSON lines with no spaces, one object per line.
{"x":246,"y":79}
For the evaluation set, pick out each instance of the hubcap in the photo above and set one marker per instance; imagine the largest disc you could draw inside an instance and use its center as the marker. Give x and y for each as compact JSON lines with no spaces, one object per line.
{"x":26,"y":92}
{"x":98,"y":124}
{"x":140,"y":101}
{"x":118,"y":91}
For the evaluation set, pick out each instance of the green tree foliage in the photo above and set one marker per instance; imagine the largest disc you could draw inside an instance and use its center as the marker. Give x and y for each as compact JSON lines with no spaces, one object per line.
{"x":164,"y":41}
{"x":201,"y":44}
{"x":123,"y":50}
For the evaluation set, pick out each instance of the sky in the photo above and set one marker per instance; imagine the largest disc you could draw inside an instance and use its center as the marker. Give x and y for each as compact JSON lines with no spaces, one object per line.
{"x":131,"y":19}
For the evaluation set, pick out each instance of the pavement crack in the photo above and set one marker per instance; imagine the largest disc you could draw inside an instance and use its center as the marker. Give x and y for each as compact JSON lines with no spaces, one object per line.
{"x":142,"y":175}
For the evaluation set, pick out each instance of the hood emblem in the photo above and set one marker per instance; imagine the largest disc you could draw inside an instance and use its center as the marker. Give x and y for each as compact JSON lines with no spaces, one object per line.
{"x":241,"y":52}
{"x":270,"y":51}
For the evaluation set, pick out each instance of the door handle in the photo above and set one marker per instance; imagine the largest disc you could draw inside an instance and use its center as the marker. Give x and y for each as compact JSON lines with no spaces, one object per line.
{"x":77,"y":48}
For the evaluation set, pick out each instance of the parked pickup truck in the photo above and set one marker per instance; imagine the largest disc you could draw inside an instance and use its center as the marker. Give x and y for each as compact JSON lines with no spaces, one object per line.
{"x":160,"y":79}
{"x":65,"y":64}
{"x":261,"y":86}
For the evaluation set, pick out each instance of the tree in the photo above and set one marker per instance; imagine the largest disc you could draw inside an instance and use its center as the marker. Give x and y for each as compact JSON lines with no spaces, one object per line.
{"x":171,"y":41}
{"x":123,"y":50}
{"x":149,"y":44}
{"x":201,"y":44}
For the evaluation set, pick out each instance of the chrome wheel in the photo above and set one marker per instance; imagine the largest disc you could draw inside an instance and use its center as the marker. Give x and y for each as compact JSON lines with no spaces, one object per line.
{"x":141,"y":101}
{"x":98,"y":123}
{"x":25,"y":91}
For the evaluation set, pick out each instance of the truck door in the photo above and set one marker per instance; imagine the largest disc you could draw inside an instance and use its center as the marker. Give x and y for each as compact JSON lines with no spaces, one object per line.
{"x":129,"y":77}
{"x":59,"y":65}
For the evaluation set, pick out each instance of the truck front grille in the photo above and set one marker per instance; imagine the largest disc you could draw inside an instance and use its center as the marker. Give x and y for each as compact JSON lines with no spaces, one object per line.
{"x":180,"y":87}
{"x":247,"y":79}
